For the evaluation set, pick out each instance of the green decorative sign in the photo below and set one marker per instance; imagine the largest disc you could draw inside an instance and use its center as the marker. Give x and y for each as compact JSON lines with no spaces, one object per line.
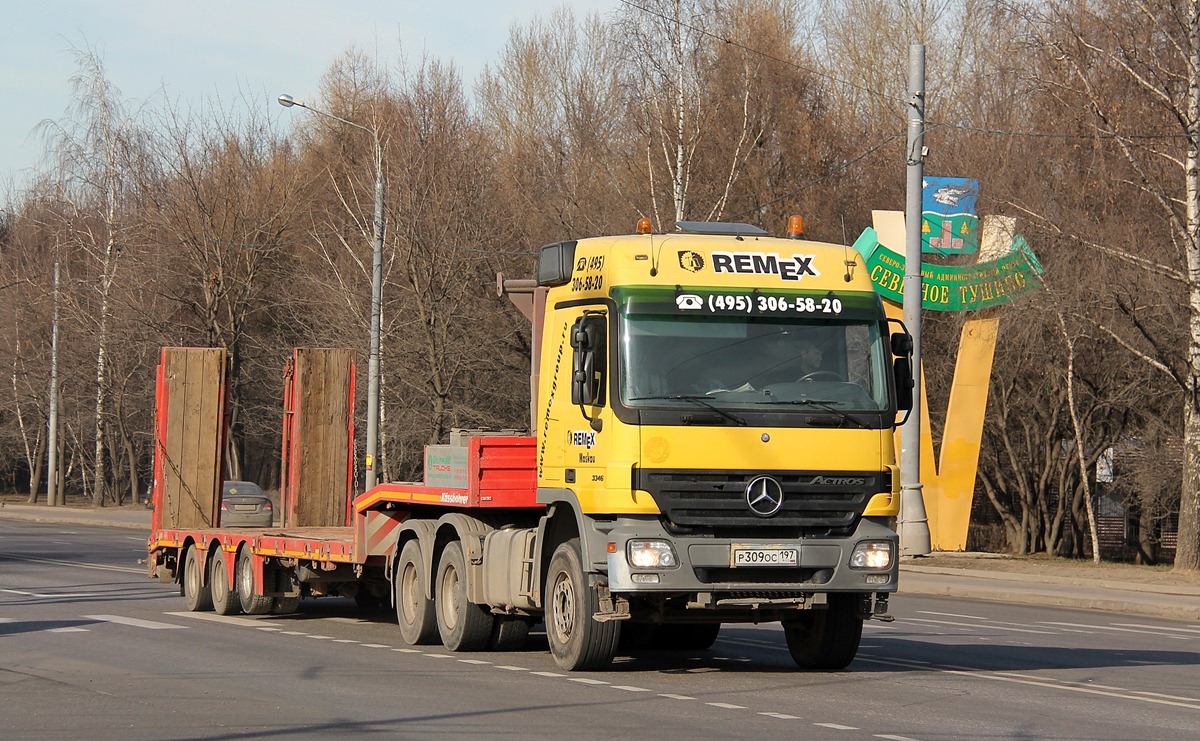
{"x":954,"y":287}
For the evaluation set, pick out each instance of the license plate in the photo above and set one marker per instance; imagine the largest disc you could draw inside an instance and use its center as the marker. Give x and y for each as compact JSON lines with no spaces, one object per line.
{"x":741,"y":555}
{"x":245,"y":507}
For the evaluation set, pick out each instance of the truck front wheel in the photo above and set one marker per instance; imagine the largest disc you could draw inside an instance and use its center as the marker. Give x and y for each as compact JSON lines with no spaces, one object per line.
{"x":415,"y":613}
{"x":577,"y":641}
{"x":196,"y":595}
{"x":826,"y":639}
{"x":463,"y":625}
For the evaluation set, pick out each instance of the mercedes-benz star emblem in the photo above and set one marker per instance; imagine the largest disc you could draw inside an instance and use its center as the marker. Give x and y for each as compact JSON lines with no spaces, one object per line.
{"x":764,"y":496}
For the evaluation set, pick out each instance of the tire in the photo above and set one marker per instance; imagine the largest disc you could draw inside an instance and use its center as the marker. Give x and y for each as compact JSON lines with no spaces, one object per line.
{"x":687,"y":637}
{"x":577,"y":641}
{"x":826,"y":639}
{"x":509,"y":634}
{"x":196,"y":594}
{"x":225,"y":600}
{"x":415,"y":613}
{"x":251,"y":603}
{"x":284,"y":605}
{"x":463,"y":625}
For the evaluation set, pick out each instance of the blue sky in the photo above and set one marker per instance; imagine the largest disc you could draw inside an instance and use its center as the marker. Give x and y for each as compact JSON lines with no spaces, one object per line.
{"x":227,"y":49}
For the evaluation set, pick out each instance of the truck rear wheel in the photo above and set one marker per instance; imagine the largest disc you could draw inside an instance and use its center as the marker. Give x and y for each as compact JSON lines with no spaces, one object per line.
{"x":251,"y":603}
{"x":225,"y":600}
{"x":415,"y":613}
{"x":196,"y":594}
{"x":826,"y":639}
{"x":463,"y":625}
{"x":577,"y":641}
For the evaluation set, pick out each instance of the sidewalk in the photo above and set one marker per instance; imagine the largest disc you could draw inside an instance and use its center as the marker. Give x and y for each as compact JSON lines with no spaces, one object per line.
{"x":1176,"y":602}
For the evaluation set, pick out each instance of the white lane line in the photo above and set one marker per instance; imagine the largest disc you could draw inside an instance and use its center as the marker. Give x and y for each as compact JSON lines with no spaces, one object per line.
{"x":1119,"y":630}
{"x":134,"y":622}
{"x":292,"y":633}
{"x":477,"y":662}
{"x":130,"y":537}
{"x":7,"y":620}
{"x":213,"y":617}
{"x":320,"y":638}
{"x":894,"y":738}
{"x":511,"y":668}
{"x":376,"y":645}
{"x":73,"y":564}
{"x":39,"y":595}
{"x":407,"y":650}
{"x":344,"y":640}
{"x":837,"y":726}
{"x":1157,"y":627}
{"x":68,"y":630}
{"x":547,"y":674}
{"x":669,"y":696}
{"x":437,"y":656}
{"x":977,"y":625}
{"x":586,"y":680}
{"x":983,"y":620}
{"x":270,"y":628}
{"x":781,"y":716}
{"x":629,"y":688}
{"x":726,"y":706}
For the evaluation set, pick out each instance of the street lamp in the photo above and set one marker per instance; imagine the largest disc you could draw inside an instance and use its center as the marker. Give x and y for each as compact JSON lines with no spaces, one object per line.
{"x":288,"y":101}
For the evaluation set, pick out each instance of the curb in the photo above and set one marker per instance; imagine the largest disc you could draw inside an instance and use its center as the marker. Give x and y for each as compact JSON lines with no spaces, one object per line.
{"x":67,"y":519}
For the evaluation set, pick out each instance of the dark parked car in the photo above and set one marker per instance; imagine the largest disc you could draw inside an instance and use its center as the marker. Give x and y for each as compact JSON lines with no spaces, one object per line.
{"x":243,"y":504}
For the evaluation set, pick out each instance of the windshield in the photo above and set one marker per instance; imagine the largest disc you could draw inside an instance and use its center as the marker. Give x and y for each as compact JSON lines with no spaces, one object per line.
{"x":753,"y":362}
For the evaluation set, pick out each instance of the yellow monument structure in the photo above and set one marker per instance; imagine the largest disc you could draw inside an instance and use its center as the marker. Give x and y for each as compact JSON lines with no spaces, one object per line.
{"x":1005,"y":268}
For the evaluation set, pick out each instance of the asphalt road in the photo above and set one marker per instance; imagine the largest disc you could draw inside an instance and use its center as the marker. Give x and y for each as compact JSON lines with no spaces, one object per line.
{"x":89,"y":647}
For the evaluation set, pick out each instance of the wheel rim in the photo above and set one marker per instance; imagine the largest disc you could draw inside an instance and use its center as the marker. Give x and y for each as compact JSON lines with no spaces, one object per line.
{"x":245,"y":577}
{"x":192,"y":575}
{"x":449,"y":597}
{"x":563,"y":603}
{"x":408,"y":594}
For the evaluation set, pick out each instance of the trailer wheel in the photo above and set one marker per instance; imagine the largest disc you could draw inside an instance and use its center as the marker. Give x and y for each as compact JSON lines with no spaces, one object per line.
{"x":225,"y":600}
{"x":826,"y":639}
{"x":196,"y":594}
{"x":463,"y":625}
{"x":576,"y":640}
{"x":251,"y":603}
{"x":285,"y":605}
{"x":415,"y":613}
{"x":509,"y":634}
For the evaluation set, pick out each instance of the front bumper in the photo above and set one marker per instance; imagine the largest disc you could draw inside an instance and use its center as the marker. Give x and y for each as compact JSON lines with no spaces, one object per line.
{"x":705,"y":564}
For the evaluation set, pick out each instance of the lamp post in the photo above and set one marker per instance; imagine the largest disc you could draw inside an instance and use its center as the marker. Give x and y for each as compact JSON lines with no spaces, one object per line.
{"x":288,"y":101}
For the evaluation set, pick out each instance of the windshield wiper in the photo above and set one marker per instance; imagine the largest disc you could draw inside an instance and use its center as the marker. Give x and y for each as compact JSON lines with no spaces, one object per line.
{"x":825,"y":405}
{"x":702,"y":400}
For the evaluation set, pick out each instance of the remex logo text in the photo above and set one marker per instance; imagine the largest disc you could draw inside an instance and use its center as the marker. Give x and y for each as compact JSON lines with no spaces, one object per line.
{"x":759,"y":263}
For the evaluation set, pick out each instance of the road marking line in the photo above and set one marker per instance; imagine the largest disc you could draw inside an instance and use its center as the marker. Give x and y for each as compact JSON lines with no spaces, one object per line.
{"x":376,"y":645}
{"x":134,"y":622}
{"x":1121,"y":630}
{"x":1157,"y":627}
{"x":726,"y":706}
{"x":39,"y":595}
{"x":586,"y":680}
{"x":437,"y":656}
{"x":7,"y":620}
{"x":474,"y":661}
{"x":407,"y":650}
{"x":270,"y":628}
{"x":999,"y":626}
{"x":512,"y":668}
{"x":228,"y":619}
{"x":781,"y":716}
{"x":130,"y":537}
{"x":292,"y":633}
{"x":68,"y":630}
{"x":894,"y":738}
{"x":675,"y":697}
{"x":548,"y":674}
{"x":345,"y":640}
{"x":74,"y":564}
{"x":321,"y":638}
{"x":837,"y":726}
{"x":629,"y":688}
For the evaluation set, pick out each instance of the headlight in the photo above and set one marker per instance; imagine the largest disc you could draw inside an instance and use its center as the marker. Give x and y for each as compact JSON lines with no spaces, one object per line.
{"x":651,"y":554}
{"x":872,"y":555}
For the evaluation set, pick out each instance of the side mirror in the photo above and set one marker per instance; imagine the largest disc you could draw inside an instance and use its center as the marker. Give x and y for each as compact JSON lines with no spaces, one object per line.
{"x":902,"y":370}
{"x":588,"y":338}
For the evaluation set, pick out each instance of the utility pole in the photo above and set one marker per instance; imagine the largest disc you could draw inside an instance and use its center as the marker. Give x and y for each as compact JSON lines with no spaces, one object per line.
{"x":913,"y":525}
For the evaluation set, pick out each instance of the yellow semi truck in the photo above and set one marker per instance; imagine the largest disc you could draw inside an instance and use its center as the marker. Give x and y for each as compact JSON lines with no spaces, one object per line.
{"x":712,"y":413}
